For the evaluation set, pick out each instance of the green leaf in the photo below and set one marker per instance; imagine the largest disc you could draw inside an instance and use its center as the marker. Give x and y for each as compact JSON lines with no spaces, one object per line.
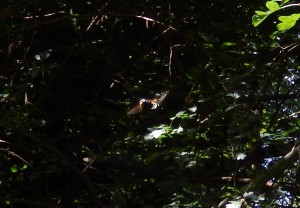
{"x":284,"y":2}
{"x":272,"y":6}
{"x":14,"y":169}
{"x":226,"y":44}
{"x":259,"y":17}
{"x":24,"y":167}
{"x":287,"y":22}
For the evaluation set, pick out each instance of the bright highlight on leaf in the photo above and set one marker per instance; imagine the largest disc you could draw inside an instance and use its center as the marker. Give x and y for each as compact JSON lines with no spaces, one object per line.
{"x":233,"y":204}
{"x":241,"y":156}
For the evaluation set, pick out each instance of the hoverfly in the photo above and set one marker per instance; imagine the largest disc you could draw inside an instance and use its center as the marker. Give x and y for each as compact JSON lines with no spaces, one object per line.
{"x":154,"y":102}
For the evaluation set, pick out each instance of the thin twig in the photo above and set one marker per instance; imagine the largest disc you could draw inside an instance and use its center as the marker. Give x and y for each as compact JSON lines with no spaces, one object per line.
{"x":15,"y":155}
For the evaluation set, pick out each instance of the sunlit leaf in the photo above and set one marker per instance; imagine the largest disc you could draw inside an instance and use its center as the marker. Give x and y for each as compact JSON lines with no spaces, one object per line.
{"x":155,"y":134}
{"x":272,"y":6}
{"x":233,"y":204}
{"x":259,"y":17}
{"x":191,"y":164}
{"x":178,"y":130}
{"x":249,"y":194}
{"x":287,"y":22}
{"x":261,"y":198}
{"x":284,"y":2}
{"x":226,"y":44}
{"x":182,"y":115}
{"x":24,"y":167}
{"x":193,"y":109}
{"x":241,"y":156}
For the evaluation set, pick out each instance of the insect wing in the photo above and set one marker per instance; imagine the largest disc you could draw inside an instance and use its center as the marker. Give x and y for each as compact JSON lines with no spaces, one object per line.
{"x":158,"y":99}
{"x":161,"y":98}
{"x":136,"y":109}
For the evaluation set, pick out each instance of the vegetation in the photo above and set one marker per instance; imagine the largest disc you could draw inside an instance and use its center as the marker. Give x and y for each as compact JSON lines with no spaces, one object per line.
{"x":225,"y":135}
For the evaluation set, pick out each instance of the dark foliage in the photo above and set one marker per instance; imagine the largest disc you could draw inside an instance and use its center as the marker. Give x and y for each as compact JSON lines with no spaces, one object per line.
{"x":71,"y":70}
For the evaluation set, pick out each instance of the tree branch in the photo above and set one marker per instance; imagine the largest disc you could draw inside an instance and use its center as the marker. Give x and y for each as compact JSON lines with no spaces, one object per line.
{"x":272,"y":172}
